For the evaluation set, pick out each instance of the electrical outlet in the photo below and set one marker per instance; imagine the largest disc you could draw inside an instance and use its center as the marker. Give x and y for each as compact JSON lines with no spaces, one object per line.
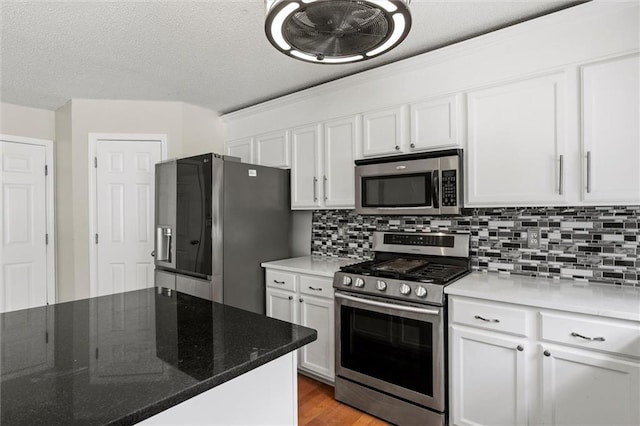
{"x":533,"y":238}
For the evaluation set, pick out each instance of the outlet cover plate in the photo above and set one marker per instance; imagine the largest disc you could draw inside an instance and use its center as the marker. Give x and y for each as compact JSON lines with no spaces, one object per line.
{"x":533,"y":238}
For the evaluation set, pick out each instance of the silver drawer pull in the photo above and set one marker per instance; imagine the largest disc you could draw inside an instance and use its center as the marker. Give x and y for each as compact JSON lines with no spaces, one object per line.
{"x":486,"y":320}
{"x":315,"y":288}
{"x":278,"y":282}
{"x":593,"y":339}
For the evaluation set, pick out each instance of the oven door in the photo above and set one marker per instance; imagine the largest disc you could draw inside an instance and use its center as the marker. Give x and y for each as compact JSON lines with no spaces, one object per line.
{"x":395,"y":348}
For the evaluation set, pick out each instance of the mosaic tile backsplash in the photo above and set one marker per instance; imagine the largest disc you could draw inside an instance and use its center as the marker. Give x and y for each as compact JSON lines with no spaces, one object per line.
{"x":599,"y":244}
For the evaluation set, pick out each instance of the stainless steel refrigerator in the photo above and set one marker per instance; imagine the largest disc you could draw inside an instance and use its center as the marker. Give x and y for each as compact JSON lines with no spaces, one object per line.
{"x":216,"y":220}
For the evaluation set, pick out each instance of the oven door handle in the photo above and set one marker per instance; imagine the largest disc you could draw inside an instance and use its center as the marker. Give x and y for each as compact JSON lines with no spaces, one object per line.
{"x":388,"y":305}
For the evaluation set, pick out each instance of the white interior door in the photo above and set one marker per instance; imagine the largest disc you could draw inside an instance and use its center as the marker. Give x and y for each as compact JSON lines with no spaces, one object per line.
{"x":23,"y":281}
{"x":125,"y":187}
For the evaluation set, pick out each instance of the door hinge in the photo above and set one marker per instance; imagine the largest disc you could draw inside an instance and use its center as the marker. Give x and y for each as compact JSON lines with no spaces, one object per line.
{"x":46,"y":170}
{"x":46,"y":239}
{"x":96,"y":353}
{"x":46,"y":337}
{"x":96,"y":238}
{"x":95,"y":162}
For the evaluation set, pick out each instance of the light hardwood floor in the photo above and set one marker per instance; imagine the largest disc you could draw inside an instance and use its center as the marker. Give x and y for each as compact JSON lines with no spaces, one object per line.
{"x":317,"y":407}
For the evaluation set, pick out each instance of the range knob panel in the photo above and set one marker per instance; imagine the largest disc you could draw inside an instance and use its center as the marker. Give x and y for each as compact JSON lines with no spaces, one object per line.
{"x":359,"y":283}
{"x":405,"y":289}
{"x":381,"y":285}
{"x":346,"y":281}
{"x":421,"y":291}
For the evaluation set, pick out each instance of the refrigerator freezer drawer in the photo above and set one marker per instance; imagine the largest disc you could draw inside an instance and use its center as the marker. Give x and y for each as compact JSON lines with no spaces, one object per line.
{"x":165,"y":279}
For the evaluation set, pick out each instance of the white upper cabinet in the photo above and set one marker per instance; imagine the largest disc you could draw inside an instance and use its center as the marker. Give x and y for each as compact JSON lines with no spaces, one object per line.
{"x":272,"y":149}
{"x":516,"y":143}
{"x":610,"y":131}
{"x":384,"y":131}
{"x":340,"y":141}
{"x":435,"y":123}
{"x":242,"y":148}
{"x":306,"y":167}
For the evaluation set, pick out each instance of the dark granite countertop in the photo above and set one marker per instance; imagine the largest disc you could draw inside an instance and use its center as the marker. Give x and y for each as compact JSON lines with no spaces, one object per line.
{"x":122,"y":358}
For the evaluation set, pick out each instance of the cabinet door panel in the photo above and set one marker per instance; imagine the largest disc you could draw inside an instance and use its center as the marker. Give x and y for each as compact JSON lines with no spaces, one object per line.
{"x":610,"y":131}
{"x":581,"y":388}
{"x":281,"y":305}
{"x":487,"y":379}
{"x":383,"y":131}
{"x":516,"y":138}
{"x":340,"y":138}
{"x":242,"y":148}
{"x":272,"y":149}
{"x":435,"y":123}
{"x":306,"y":187}
{"x":318,"y":356}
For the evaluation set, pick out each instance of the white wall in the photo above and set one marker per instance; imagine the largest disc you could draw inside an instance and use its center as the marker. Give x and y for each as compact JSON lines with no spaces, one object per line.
{"x":29,"y":122}
{"x":189,"y":129}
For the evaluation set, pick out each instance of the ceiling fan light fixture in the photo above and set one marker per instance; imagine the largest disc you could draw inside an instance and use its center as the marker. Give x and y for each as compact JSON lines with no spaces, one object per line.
{"x":336,"y":31}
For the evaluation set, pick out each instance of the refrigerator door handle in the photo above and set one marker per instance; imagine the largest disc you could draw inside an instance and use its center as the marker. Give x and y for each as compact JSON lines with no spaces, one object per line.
{"x":163,"y":243}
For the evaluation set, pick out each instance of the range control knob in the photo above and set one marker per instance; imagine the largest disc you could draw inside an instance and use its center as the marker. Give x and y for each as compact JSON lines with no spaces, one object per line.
{"x":346,"y":280}
{"x":381,"y":285}
{"x":405,"y":289}
{"x":421,"y":291}
{"x":359,"y":283}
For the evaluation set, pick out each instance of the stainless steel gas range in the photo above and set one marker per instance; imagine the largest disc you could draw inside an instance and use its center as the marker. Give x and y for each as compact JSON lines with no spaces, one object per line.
{"x":390,"y":326}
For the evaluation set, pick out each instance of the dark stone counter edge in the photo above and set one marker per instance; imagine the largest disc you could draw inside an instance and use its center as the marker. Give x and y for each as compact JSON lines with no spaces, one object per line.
{"x":163,"y":404}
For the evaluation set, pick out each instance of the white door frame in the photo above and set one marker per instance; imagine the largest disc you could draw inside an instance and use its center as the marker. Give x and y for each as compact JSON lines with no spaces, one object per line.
{"x":50,"y":207}
{"x":94,"y":138}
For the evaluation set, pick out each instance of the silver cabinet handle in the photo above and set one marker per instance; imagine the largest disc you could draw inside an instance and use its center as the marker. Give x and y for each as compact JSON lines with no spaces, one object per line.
{"x":413,"y":145}
{"x":315,"y":188}
{"x":324,"y":187}
{"x":546,"y":353}
{"x":315,"y":288}
{"x":520,"y":348}
{"x":301,"y":300}
{"x":397,"y":147}
{"x":592,"y":339}
{"x":486,"y":319}
{"x":561,"y":176}
{"x":278,"y":282}
{"x":588,"y":172}
{"x":290,"y":297}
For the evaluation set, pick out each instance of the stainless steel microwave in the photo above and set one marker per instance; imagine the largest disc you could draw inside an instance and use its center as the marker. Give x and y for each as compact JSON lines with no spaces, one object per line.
{"x":429,"y":183}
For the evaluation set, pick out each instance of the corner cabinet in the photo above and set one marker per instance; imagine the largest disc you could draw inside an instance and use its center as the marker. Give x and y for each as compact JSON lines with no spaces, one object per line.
{"x":610,"y":131}
{"x":242,"y":148}
{"x":516,"y":143}
{"x":272,"y":149}
{"x":306,"y":300}
{"x":518,"y":365}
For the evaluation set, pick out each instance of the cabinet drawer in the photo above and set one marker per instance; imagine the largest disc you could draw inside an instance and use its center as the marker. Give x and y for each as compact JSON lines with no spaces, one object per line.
{"x":316,"y":286}
{"x":490,"y":316}
{"x":280,"y":279}
{"x":604,"y":335}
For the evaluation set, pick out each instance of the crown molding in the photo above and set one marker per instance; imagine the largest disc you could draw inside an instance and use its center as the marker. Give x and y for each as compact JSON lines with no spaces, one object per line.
{"x":593,"y":9}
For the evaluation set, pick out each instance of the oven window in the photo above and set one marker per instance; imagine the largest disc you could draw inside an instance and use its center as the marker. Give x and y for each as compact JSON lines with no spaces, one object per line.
{"x":390,"y":348}
{"x":412,"y":190}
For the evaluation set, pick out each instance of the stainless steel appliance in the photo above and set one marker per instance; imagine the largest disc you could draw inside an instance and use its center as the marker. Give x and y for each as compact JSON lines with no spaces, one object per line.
{"x":216,"y":220}
{"x":390,"y":326}
{"x":428,"y":183}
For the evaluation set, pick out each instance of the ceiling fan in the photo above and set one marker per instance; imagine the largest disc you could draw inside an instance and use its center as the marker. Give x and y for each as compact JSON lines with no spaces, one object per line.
{"x":336,"y":31}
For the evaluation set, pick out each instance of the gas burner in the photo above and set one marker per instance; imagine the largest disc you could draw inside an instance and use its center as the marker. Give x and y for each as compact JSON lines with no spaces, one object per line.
{"x":409,"y":266}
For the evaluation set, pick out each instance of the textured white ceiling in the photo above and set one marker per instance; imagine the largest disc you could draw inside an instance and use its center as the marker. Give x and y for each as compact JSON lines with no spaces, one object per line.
{"x":209,"y":53}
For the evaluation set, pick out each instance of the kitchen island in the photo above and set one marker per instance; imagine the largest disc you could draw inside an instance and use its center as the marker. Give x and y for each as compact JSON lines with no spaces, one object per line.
{"x":150,"y":355}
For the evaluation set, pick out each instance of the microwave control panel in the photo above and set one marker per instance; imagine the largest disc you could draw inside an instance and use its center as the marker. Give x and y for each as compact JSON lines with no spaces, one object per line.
{"x":449,"y":188}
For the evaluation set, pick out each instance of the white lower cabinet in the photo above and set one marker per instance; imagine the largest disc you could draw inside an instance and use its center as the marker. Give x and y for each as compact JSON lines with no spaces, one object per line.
{"x":526,"y":365}
{"x":487,"y":373}
{"x":306,"y":300}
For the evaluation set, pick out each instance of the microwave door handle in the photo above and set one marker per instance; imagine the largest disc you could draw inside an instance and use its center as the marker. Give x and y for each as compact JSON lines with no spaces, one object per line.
{"x":435,"y":188}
